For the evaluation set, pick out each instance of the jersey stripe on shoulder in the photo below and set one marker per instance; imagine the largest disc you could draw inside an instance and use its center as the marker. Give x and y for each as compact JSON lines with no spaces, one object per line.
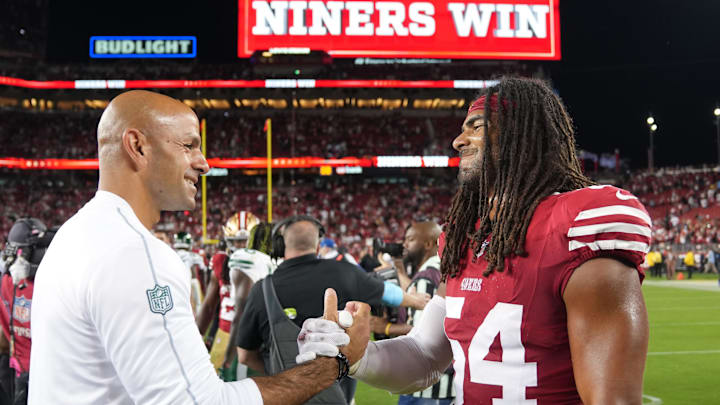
{"x":611,"y":244}
{"x":614,"y":210}
{"x":609,"y":227}
{"x":607,"y":218}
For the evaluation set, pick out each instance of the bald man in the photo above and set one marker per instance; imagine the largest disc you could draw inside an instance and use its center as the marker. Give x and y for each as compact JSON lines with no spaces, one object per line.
{"x":112,"y":321}
{"x":298,"y":282}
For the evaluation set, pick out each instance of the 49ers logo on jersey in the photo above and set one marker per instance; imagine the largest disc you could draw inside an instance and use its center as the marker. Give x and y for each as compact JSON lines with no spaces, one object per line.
{"x":471,"y":284}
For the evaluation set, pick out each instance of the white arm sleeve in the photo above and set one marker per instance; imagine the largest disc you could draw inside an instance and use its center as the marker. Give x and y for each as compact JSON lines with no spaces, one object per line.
{"x":410,"y":363}
{"x":154,"y":346}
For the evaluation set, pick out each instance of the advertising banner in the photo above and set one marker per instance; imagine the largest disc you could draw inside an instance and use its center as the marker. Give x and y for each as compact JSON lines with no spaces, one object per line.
{"x":512,"y":29}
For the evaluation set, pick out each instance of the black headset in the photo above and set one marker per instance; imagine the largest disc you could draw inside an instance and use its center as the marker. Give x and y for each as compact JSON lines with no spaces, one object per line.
{"x":278,"y":241}
{"x":31,"y":237}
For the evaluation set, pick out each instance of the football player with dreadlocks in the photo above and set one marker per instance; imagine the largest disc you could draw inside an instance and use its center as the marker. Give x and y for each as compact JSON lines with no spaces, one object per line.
{"x":220,"y":291}
{"x":247,"y":266}
{"x":542,"y":301}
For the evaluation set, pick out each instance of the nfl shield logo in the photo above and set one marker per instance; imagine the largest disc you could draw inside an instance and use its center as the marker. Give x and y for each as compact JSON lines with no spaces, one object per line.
{"x":160,"y":299}
{"x":21,"y":309}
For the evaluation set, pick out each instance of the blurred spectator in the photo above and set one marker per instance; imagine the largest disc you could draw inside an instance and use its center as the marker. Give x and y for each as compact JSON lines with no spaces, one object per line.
{"x":234,"y":134}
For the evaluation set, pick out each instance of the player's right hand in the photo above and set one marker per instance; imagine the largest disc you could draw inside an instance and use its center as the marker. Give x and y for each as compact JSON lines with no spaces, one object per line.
{"x":359,"y":331}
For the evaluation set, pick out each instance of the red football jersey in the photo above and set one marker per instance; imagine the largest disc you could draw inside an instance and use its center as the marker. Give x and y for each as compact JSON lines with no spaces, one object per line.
{"x":508,"y":331}
{"x":20,"y":304}
{"x":227,"y":303}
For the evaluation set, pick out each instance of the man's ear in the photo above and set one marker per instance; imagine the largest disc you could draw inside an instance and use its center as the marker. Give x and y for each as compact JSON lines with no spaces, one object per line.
{"x":136,"y":146}
{"x":430,"y":245}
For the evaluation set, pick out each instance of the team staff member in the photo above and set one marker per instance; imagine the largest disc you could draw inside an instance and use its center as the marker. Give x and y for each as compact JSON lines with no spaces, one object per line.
{"x":27,"y":242}
{"x":299,"y":281}
{"x":112,"y":322}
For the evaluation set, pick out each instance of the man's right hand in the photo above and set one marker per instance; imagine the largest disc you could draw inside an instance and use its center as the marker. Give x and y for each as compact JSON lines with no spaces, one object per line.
{"x":359,"y":331}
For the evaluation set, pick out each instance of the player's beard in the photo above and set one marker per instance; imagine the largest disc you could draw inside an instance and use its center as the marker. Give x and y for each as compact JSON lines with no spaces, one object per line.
{"x":471,"y":175}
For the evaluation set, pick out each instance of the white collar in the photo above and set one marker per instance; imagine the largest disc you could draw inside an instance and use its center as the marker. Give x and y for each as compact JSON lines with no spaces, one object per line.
{"x":431,"y":262}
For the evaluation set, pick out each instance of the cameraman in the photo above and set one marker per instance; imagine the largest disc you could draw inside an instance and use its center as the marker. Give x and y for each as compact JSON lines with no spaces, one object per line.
{"x":420,"y":248}
{"x":26,"y":245}
{"x":387,"y":321}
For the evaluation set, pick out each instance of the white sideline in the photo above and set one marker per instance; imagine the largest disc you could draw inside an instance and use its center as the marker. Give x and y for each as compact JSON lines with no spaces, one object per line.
{"x":653,"y":400}
{"x":657,"y":325}
{"x":704,"y":285}
{"x":683,"y":352}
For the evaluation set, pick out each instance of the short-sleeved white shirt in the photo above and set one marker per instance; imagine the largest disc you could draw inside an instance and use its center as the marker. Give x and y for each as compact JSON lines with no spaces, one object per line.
{"x":111,"y":319}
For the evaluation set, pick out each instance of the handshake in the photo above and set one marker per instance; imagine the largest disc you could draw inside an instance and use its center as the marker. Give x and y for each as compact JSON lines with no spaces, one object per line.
{"x":346,"y":332}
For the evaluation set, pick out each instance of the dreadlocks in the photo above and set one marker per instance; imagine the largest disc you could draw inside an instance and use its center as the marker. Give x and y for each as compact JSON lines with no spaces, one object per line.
{"x":534,"y":157}
{"x":260,"y":237}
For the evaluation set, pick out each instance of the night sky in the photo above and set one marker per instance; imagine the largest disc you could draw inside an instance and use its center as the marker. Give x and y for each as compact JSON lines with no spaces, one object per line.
{"x":621,"y":60}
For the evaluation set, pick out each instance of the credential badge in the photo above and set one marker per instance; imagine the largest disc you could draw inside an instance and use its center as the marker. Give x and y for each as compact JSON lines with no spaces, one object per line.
{"x":160,"y":299}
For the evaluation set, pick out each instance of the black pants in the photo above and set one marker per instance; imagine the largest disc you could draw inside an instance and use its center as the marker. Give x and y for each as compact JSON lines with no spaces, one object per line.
{"x":7,"y":375}
{"x":21,"y":389}
{"x":13,"y":390}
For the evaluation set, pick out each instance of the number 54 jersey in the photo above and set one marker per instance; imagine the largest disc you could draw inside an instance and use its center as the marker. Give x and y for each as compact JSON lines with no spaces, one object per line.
{"x":508,"y":331}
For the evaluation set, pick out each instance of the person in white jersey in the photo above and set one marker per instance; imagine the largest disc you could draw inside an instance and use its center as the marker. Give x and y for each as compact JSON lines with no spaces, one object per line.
{"x":195,"y":265}
{"x":112,"y":322}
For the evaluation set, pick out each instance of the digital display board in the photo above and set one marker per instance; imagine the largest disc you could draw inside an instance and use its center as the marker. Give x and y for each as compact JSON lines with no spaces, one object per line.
{"x":512,"y":29}
{"x":155,"y":46}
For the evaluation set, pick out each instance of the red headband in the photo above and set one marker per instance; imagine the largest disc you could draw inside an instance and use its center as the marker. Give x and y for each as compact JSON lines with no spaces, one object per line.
{"x":479,"y":104}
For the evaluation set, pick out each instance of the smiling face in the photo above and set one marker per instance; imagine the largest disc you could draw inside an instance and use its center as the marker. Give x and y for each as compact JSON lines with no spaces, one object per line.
{"x":470,"y":145}
{"x":176,"y":162}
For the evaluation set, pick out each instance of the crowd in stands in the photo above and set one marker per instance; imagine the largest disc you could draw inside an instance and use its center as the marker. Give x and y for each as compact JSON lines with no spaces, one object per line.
{"x":48,"y":135}
{"x":234,"y":134}
{"x":353,"y":212}
{"x":683,"y":202}
{"x":331,"y":135}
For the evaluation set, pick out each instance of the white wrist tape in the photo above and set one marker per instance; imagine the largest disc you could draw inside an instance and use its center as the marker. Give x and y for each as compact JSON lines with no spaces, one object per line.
{"x":409,"y":363}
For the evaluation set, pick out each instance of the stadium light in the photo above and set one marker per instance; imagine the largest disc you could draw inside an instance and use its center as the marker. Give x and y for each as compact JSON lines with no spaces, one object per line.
{"x":717,"y":128}
{"x":652,"y":127}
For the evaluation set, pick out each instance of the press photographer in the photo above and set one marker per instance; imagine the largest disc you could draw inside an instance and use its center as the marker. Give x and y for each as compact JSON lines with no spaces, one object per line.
{"x":417,"y":270}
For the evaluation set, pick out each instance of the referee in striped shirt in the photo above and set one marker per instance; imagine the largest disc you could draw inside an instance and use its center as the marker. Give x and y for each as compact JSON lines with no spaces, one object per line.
{"x":421,"y":246}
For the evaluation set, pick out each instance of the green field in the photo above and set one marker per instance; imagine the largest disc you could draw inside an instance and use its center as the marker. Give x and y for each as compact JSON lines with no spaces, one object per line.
{"x":683,"y":364}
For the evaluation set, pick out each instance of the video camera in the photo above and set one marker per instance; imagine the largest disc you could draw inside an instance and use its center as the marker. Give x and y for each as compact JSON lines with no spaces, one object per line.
{"x":393,"y":249}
